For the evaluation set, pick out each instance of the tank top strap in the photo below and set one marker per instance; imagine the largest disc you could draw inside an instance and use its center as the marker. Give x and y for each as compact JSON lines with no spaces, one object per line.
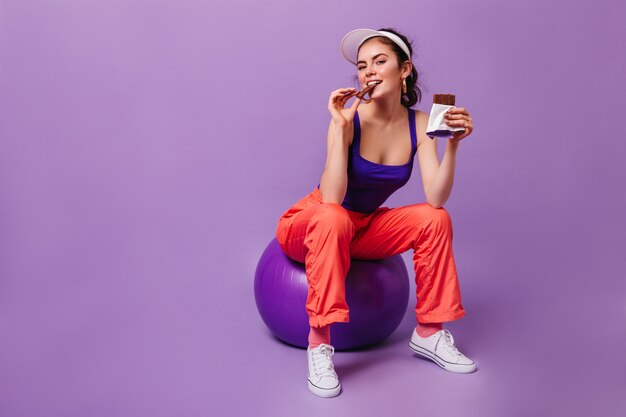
{"x":413,"y":130}
{"x":356,"y":135}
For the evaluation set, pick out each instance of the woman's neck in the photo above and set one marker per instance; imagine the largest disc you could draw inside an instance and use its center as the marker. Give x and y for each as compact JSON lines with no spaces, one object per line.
{"x":384,"y":110}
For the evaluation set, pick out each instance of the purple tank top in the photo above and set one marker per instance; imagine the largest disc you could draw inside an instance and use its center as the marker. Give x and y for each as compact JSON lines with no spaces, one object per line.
{"x":369,"y":183}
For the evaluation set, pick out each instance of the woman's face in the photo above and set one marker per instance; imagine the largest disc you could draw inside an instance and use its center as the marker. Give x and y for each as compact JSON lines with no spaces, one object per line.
{"x":377,"y":61}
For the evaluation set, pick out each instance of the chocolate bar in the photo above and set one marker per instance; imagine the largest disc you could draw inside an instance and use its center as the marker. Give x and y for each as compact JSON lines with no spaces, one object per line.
{"x":445,"y":99}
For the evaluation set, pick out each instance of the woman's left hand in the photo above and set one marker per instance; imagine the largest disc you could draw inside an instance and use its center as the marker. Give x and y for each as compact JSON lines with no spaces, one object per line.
{"x":459,"y":117}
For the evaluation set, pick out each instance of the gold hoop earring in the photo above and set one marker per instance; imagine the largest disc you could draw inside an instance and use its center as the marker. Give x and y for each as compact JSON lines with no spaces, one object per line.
{"x":404,"y":86}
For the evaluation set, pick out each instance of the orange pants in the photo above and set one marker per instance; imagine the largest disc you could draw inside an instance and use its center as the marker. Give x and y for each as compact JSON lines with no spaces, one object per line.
{"x":324,"y":236}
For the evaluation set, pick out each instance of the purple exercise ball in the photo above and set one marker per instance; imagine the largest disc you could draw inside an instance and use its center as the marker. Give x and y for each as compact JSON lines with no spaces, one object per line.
{"x":377,"y":294}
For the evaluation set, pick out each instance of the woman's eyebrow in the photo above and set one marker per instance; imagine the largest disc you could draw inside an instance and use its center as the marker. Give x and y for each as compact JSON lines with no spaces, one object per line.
{"x":374,"y":57}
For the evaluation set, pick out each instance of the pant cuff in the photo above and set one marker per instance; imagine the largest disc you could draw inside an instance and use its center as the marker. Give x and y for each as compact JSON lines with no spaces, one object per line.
{"x":336,"y":317}
{"x":440,"y":317}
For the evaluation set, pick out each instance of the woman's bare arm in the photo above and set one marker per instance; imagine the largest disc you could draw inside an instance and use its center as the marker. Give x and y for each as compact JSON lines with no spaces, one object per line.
{"x":437,"y":178}
{"x":334,"y":181}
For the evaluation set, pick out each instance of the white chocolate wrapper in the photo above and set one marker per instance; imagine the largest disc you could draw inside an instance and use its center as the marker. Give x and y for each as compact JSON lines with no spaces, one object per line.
{"x":436,"y":125}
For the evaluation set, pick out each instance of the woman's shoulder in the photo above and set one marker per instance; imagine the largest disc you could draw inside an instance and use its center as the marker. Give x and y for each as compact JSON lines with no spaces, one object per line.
{"x":420,"y":114}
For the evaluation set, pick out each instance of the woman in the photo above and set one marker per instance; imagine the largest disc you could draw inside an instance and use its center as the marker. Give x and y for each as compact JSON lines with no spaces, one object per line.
{"x":367,"y":154}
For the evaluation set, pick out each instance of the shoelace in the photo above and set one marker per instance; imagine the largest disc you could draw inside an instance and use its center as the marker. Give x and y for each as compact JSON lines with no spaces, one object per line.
{"x":322,"y":363}
{"x":448,"y":342}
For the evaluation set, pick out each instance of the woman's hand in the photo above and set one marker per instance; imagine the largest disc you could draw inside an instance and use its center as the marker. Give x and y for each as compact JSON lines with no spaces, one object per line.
{"x":337,"y":101}
{"x":459,"y":117}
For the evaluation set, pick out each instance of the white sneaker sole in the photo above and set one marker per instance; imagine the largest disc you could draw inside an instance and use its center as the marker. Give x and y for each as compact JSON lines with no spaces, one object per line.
{"x":448,"y":366}
{"x":324,"y":392}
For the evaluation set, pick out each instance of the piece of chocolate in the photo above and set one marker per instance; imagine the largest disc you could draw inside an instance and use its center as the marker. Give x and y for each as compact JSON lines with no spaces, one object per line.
{"x":366,"y":90}
{"x":445,"y":99}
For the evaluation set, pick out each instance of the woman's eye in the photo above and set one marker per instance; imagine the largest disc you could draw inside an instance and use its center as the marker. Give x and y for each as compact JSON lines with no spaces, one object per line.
{"x":380,"y":62}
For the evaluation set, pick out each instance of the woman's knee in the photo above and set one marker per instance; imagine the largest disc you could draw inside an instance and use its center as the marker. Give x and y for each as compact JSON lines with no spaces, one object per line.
{"x":436,"y":218}
{"x":333,"y":215}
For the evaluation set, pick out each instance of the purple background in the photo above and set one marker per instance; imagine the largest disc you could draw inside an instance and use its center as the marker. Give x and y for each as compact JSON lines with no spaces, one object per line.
{"x":148,"y":149}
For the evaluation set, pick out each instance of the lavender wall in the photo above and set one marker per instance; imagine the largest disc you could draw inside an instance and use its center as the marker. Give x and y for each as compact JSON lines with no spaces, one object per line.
{"x":148,"y":148}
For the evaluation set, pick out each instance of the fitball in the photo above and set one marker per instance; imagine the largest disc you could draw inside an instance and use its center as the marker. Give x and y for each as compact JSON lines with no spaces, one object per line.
{"x":377,"y":294}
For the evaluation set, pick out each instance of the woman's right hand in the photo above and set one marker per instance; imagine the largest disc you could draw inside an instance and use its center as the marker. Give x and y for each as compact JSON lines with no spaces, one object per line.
{"x":336,"y":103}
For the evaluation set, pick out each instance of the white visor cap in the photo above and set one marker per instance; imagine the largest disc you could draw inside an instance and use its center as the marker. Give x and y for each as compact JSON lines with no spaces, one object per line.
{"x":352,"y":41}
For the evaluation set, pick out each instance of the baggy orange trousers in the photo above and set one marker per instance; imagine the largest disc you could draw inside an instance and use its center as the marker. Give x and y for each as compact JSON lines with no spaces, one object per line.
{"x":325,"y":236}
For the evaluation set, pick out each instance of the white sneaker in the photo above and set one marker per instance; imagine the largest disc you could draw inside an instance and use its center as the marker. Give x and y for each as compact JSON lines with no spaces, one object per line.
{"x":439,"y":348}
{"x":322,"y":378}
